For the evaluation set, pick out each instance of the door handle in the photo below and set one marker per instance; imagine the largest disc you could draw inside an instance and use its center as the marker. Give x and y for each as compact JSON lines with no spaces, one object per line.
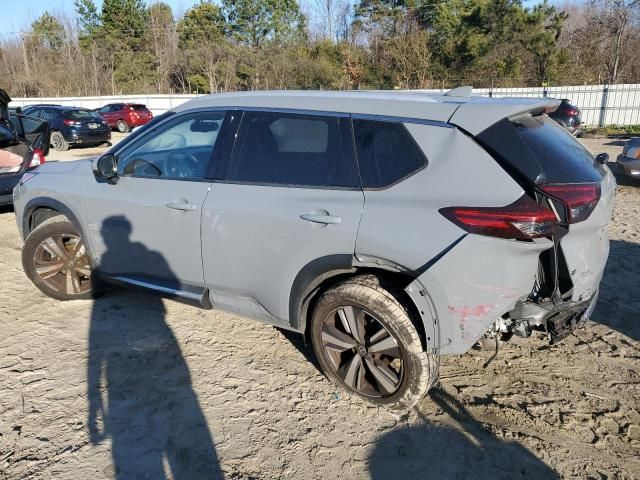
{"x":324,"y":218}
{"x":182,"y":205}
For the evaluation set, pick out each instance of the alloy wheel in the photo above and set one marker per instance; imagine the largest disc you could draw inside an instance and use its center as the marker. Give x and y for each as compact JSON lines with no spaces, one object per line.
{"x":362,"y":352}
{"x":62,"y":264}
{"x":56,"y":141}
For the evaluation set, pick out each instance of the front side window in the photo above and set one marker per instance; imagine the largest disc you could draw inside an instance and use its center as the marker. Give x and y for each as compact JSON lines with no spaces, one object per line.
{"x":179,"y":149}
{"x":292,"y":149}
{"x":386,"y":152}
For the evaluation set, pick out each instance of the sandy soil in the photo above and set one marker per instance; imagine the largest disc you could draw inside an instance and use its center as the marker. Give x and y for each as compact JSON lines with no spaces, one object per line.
{"x":130,"y":386}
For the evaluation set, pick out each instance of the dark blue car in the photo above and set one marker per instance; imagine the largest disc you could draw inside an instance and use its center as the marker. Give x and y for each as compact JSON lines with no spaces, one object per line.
{"x":71,"y":125}
{"x":24,"y":142}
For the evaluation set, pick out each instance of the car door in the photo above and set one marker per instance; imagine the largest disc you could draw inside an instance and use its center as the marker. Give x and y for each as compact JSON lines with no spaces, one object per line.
{"x":24,"y":141}
{"x":289,"y":198}
{"x":107,"y":112}
{"x":146,"y":227}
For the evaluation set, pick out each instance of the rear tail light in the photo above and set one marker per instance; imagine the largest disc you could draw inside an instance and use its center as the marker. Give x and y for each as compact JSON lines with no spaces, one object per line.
{"x":72,"y":122}
{"x":524,"y":219}
{"x":579,"y":199}
{"x":38,"y":158}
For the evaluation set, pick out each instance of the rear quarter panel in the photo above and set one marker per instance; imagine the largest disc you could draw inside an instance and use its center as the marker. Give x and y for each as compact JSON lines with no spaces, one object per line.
{"x":478,"y":279}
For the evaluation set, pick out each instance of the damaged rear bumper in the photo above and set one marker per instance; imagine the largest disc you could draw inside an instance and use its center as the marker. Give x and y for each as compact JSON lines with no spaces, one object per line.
{"x":557,"y":320}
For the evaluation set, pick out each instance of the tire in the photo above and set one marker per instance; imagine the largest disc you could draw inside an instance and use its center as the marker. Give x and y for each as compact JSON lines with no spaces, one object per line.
{"x":409,"y":370}
{"x":122,"y":126}
{"x":58,"y":142}
{"x":57,"y":238}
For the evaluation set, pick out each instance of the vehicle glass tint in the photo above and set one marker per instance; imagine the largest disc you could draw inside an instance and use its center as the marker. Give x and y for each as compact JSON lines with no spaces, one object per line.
{"x":536,"y":150}
{"x":138,"y":107}
{"x":292,"y":149}
{"x":180,"y":149}
{"x":386,"y":152}
{"x":49,"y":114}
{"x":563,"y":158}
{"x":82,"y":115}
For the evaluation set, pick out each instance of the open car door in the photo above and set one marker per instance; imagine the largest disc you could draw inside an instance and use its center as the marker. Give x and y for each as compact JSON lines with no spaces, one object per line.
{"x":24,"y":143}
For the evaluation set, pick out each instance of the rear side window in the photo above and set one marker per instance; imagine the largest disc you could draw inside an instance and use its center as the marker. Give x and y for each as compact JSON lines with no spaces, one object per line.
{"x":540,"y":150}
{"x":294,"y":150}
{"x":386,"y":152}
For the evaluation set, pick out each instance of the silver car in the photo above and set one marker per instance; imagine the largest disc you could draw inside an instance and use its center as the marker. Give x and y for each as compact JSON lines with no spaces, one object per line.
{"x":628,"y":162}
{"x":388,"y":228}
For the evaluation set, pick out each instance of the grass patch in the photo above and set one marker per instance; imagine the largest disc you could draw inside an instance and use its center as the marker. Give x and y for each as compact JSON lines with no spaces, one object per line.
{"x":614,"y":131}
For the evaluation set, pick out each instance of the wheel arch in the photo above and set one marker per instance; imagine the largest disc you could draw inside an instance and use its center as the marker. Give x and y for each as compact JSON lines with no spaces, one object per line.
{"x":323,"y":273}
{"x":46,"y":208}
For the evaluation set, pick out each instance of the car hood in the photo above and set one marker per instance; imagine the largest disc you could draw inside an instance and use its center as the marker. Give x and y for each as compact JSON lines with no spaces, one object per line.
{"x":65,"y":167}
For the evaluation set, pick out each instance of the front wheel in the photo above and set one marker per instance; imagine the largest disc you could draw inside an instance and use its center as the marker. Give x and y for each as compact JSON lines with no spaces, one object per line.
{"x":55,"y":259}
{"x":366,"y":343}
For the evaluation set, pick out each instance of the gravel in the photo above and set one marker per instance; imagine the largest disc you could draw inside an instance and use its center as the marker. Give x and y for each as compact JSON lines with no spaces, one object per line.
{"x":131,"y":386}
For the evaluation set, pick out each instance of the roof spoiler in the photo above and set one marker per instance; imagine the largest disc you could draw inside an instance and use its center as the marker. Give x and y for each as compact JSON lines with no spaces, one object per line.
{"x":464,"y":92}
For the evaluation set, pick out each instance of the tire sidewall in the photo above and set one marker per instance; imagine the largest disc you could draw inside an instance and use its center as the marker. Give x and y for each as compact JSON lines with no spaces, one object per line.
{"x":53,"y":226}
{"x":62,"y":144}
{"x":395,"y":319}
{"x":122,"y":126}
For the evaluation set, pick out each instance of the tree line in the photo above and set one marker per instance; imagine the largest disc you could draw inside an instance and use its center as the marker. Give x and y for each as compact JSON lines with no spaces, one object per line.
{"x":129,"y":46}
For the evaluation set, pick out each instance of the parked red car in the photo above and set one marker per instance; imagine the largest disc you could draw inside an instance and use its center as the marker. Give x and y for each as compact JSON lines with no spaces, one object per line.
{"x":125,"y":116}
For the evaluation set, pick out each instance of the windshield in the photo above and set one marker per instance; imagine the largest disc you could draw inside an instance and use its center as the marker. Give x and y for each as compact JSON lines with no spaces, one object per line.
{"x":82,"y":115}
{"x":138,"y":107}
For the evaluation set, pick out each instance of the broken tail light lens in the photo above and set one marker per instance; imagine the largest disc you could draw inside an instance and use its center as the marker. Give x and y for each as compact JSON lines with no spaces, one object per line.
{"x":579,"y":199}
{"x":37,"y":159}
{"x":524,"y":219}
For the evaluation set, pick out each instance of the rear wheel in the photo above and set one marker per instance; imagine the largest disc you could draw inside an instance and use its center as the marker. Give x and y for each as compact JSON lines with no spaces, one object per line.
{"x":58,"y":142}
{"x":122,"y":126}
{"x":55,"y":259}
{"x":365,"y":342}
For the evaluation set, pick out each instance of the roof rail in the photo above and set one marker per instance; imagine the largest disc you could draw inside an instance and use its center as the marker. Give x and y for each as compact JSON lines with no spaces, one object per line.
{"x":460,"y":92}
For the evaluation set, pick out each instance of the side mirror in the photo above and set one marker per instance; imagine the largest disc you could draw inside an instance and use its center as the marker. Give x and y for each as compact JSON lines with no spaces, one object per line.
{"x":107,"y":167}
{"x":18,"y":110}
{"x":602,"y":158}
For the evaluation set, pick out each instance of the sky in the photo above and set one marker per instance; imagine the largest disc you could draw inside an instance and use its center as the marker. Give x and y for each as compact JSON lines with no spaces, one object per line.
{"x":17,"y":15}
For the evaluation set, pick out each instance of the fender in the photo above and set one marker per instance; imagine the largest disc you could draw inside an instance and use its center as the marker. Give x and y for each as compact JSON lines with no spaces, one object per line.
{"x":47,"y":202}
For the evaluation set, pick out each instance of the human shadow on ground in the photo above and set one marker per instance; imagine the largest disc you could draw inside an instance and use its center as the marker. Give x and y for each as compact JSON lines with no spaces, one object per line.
{"x":617,"y":143}
{"x":618,"y":304}
{"x":438,"y":451}
{"x":139,"y":386}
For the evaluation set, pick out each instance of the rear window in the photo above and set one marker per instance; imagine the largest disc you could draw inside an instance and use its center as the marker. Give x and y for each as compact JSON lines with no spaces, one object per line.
{"x":82,"y":115}
{"x":138,"y":107}
{"x":540,"y":150}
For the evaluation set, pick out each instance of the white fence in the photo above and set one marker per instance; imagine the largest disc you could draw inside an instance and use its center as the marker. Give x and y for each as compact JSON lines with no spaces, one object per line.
{"x":601,"y":105}
{"x":156,"y":103}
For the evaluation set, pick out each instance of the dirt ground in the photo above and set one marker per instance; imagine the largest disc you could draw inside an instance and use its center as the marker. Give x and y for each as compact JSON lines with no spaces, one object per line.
{"x":130,"y":386}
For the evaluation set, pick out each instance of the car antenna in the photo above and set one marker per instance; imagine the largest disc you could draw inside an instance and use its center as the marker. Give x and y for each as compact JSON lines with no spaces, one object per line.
{"x":465,"y":91}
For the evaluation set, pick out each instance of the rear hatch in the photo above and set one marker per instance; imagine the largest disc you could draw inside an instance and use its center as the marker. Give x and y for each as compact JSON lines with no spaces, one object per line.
{"x":86,"y":121}
{"x":555,"y":168}
{"x":140,"y":111}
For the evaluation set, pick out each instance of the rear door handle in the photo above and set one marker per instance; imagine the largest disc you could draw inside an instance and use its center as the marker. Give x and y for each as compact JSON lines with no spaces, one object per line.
{"x":324,"y":218}
{"x":183,"y":205}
